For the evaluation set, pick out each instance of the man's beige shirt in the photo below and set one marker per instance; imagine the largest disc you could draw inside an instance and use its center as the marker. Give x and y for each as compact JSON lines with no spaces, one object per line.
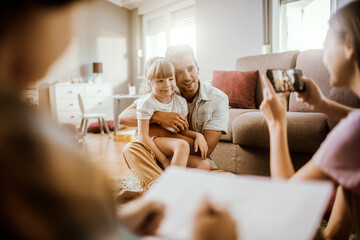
{"x":211,"y":111}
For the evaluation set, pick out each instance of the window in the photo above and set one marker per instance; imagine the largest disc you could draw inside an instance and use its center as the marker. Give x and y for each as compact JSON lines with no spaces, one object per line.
{"x":155,"y":37}
{"x":183,"y":27}
{"x":168,"y":26}
{"x":303,"y":24}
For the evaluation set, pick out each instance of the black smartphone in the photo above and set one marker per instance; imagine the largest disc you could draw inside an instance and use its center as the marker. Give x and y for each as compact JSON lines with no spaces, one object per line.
{"x":286,"y":80}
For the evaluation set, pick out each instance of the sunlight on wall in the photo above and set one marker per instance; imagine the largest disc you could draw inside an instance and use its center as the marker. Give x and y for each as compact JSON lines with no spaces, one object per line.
{"x":67,"y":64}
{"x":112,"y":52}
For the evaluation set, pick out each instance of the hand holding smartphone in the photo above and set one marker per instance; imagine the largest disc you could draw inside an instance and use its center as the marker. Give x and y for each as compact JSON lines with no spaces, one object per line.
{"x":286,"y":80}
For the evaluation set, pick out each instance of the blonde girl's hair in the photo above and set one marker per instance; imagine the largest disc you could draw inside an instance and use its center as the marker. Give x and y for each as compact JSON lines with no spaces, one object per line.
{"x":159,"y":68}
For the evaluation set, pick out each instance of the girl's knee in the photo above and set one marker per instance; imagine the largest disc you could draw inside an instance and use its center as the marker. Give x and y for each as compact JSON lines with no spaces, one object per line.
{"x":205,"y":165}
{"x":182,"y":145}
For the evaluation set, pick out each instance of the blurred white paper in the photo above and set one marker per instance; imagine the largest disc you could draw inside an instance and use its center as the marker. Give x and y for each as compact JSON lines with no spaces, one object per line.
{"x":262,"y":208}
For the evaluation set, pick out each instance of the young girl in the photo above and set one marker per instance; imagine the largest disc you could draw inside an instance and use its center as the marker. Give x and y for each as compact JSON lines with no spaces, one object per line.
{"x":162,"y":97}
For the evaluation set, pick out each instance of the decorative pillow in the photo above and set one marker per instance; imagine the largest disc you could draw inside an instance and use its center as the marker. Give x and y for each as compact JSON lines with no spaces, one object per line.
{"x":238,"y":86}
{"x":94,"y":127}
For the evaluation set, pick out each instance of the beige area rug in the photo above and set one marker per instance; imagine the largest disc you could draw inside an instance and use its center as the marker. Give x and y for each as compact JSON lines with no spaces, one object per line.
{"x":130,"y":183}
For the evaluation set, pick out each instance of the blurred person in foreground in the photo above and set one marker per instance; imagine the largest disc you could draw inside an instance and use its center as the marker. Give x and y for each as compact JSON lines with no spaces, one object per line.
{"x":49,"y":190}
{"x":338,"y":158}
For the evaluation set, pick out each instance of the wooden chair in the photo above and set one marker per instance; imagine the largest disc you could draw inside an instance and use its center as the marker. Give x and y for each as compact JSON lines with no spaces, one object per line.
{"x":86,"y":116}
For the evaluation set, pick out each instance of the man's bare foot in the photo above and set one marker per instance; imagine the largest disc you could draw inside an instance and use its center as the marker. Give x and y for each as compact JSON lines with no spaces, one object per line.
{"x":126,"y":196}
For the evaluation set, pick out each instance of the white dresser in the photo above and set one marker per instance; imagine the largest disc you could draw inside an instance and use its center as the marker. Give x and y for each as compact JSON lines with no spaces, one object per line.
{"x":98,"y":98}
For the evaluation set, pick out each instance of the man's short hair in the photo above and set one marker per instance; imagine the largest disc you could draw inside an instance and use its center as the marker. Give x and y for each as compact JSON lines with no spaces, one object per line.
{"x":179,"y":51}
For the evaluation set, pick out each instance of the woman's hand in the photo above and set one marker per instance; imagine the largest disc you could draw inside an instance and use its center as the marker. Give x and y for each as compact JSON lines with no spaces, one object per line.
{"x":213,"y":222}
{"x":142,"y":218}
{"x":200,"y":143}
{"x":273,"y":105}
{"x":312,"y":97}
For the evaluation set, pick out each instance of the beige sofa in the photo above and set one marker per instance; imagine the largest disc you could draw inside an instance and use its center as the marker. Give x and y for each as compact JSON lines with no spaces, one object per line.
{"x":245,"y":149}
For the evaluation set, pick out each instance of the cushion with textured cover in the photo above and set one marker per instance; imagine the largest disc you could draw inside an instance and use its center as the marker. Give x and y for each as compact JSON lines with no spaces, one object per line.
{"x":238,"y":86}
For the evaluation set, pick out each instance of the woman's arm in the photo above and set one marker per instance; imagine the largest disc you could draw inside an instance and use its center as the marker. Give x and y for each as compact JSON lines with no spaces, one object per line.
{"x":339,"y":225}
{"x":274,"y":110}
{"x":335,"y":110}
{"x":280,"y":160}
{"x":143,"y":133}
{"x":316,"y":101}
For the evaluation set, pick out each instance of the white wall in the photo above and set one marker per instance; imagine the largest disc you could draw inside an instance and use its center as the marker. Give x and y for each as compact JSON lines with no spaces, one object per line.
{"x":225,"y":31}
{"x":107,"y":40}
{"x":102,"y":34}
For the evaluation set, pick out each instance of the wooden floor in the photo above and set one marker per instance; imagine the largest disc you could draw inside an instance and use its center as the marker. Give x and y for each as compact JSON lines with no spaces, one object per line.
{"x":107,"y":153}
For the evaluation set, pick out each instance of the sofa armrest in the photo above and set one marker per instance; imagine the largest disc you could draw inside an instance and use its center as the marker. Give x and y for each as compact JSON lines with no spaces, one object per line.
{"x":306,"y":131}
{"x":233,"y":113}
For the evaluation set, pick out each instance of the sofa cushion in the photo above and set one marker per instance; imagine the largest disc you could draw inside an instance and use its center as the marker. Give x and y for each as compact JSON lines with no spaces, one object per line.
{"x":238,"y":86}
{"x":225,"y":155}
{"x":233,"y":113}
{"x":306,"y":131}
{"x":263,"y":62}
{"x":310,"y":62}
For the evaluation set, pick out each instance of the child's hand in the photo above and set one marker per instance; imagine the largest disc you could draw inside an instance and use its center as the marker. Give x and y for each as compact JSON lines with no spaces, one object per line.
{"x":200,"y":143}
